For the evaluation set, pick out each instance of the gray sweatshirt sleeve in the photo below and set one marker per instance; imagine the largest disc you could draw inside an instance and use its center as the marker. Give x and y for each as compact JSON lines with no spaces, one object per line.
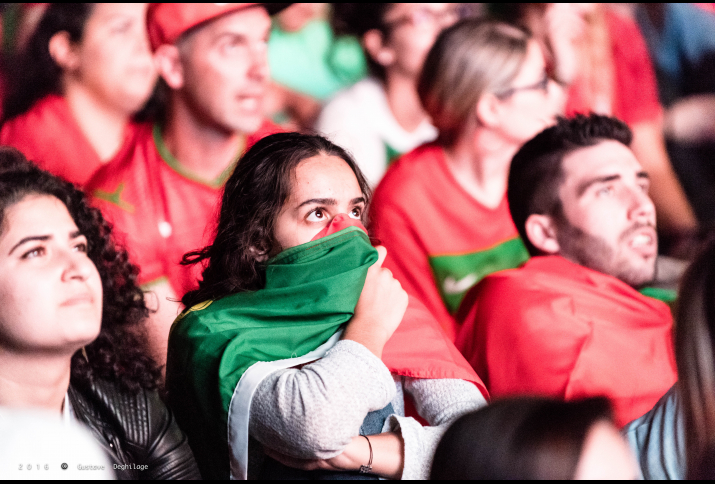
{"x":314,"y":412}
{"x":440,"y":402}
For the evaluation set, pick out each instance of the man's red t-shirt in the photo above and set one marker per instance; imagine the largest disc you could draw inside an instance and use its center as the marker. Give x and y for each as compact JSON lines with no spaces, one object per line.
{"x":159,"y":211}
{"x":440,"y":241}
{"x":49,"y":135}
{"x":557,"y":329}
{"x":635,"y":90}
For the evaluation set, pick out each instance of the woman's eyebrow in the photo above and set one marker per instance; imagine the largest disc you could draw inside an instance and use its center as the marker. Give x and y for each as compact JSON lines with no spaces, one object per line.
{"x":320,"y":201}
{"x":357,"y":200}
{"x":32,"y":238}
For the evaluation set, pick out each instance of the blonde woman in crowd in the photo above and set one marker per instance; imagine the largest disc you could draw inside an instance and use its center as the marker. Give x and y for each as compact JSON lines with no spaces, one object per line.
{"x":441,"y":209}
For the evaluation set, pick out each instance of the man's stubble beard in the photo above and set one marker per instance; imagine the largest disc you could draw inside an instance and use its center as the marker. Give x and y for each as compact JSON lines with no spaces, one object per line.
{"x":594,"y":252}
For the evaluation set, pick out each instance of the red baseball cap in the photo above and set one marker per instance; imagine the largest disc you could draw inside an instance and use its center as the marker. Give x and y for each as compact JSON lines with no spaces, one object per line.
{"x":166,"y":22}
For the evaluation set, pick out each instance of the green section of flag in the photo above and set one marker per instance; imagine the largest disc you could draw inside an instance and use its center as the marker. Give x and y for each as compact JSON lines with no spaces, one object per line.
{"x":391,"y":154}
{"x":668,"y":296}
{"x":311,"y":290}
{"x":456,"y":274}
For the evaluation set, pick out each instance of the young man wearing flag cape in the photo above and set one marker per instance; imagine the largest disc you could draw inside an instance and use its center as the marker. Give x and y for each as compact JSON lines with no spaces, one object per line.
{"x":571,"y":322}
{"x":300,"y":339}
{"x":161,"y":190}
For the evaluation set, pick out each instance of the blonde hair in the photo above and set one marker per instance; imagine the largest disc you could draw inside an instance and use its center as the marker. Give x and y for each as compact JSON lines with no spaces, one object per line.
{"x":469,"y":59}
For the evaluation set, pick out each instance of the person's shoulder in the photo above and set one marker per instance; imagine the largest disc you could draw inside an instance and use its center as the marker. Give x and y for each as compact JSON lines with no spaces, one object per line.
{"x":413,"y":169}
{"x":360,"y":96}
{"x":134,"y":156}
{"x":650,"y":435}
{"x":26,"y":129}
{"x":534,"y":281}
{"x":267,"y":128}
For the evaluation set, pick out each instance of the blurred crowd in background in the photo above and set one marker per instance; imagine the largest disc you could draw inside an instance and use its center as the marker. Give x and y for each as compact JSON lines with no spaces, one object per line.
{"x":185,"y":122}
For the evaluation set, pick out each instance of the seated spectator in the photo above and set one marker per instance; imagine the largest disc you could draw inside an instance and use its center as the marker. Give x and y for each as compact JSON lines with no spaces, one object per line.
{"x":86,"y":70}
{"x":71,"y":325}
{"x":308,"y":63}
{"x":533,"y":438}
{"x":381,"y":117}
{"x":674,"y":439}
{"x":441,"y":210}
{"x":291,"y":277}
{"x":162,"y":191}
{"x":601,"y":58}
{"x":571,"y":323}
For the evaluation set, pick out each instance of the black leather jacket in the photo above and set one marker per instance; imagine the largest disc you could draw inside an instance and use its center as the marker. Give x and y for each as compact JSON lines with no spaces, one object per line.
{"x":135,"y":430}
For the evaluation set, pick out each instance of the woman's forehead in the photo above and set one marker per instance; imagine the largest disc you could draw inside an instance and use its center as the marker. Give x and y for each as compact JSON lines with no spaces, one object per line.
{"x":324,"y":176}
{"x":34,"y":214}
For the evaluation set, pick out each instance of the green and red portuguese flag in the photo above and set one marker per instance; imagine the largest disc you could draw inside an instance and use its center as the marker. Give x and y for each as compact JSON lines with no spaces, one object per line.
{"x":219,"y":351}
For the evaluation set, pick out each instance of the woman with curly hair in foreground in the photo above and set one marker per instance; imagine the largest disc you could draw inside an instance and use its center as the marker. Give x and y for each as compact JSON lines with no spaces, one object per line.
{"x":71,"y":332}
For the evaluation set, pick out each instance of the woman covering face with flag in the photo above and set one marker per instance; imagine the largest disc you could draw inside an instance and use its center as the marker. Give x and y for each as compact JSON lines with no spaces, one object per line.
{"x":298,"y":343}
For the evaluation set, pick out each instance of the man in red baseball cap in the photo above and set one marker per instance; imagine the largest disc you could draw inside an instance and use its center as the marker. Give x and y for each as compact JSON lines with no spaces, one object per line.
{"x":161,"y":192}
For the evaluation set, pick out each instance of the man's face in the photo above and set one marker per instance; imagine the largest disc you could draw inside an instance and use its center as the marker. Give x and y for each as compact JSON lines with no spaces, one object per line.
{"x":225,"y":70}
{"x":608,"y":219}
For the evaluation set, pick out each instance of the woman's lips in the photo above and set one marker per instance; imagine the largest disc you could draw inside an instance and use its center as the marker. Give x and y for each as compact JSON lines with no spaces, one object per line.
{"x":78,"y":300}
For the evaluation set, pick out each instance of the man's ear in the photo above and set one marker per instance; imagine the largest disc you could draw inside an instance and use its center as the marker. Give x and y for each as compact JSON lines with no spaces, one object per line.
{"x":541,"y":231}
{"x":63,"y":52}
{"x":376,"y":48}
{"x":168,"y":62}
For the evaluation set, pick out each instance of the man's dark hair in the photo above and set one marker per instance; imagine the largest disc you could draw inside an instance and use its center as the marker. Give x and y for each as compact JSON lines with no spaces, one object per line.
{"x":252,"y":199}
{"x":519,"y":438}
{"x":536,"y":169}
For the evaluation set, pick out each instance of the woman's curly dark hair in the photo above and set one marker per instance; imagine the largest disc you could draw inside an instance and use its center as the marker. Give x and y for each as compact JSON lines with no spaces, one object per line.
{"x":119,"y":353}
{"x":253,"y":197}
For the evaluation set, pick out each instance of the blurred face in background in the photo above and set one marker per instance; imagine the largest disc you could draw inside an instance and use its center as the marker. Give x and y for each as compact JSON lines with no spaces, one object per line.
{"x":412,"y":29}
{"x":50,"y":291}
{"x":532,"y":101}
{"x":224,"y":70}
{"x":113,"y":60}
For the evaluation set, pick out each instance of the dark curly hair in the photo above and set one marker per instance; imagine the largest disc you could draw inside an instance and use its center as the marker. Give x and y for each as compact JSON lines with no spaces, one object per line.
{"x":252,"y":199}
{"x":535,"y":174}
{"x":119,"y":353}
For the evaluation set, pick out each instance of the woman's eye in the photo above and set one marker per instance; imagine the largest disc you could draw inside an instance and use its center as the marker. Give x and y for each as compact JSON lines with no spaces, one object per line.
{"x":316,"y":215}
{"x":356,"y":213}
{"x":81,"y":247}
{"x":36,"y":252}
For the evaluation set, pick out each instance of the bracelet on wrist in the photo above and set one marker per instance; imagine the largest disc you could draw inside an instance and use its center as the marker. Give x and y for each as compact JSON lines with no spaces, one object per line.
{"x":366,"y":469}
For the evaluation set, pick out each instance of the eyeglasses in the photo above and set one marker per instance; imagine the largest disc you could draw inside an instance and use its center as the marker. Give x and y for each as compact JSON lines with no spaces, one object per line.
{"x":541,"y":85}
{"x":422,"y":18}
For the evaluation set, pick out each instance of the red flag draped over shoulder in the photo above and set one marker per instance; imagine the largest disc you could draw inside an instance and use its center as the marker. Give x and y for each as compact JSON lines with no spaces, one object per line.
{"x":555,"y":328}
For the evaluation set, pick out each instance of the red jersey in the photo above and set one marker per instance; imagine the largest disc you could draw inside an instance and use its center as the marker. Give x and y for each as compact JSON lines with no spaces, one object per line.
{"x":440,"y":241}
{"x":160,"y":210}
{"x":49,"y":135}
{"x":635,"y":90}
{"x":558,"y":329}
